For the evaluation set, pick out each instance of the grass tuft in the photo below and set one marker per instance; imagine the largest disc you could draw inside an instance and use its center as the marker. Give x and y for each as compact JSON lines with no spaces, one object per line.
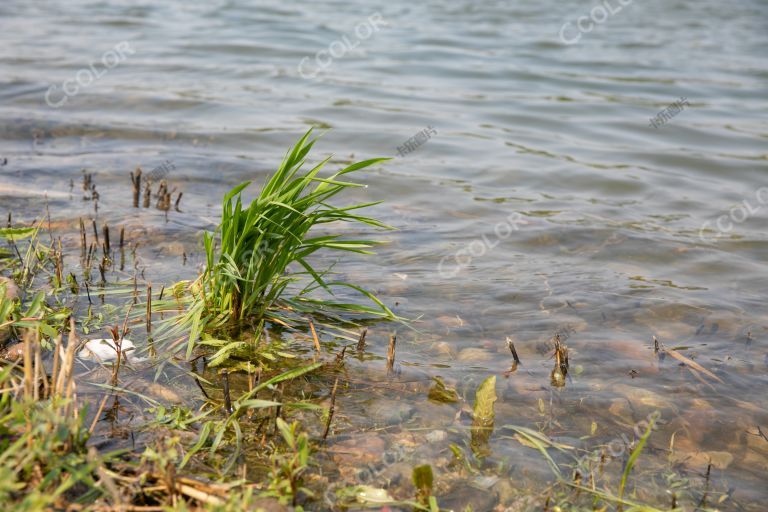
{"x":261,"y":249}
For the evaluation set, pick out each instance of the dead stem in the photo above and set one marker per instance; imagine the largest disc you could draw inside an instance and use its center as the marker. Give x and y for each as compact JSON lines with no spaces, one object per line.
{"x":147,"y":193}
{"x":391,"y":352}
{"x":511,"y":346}
{"x":136,"y":180}
{"x":314,"y":336}
{"x":83,"y":241}
{"x":95,"y":232}
{"x":149,"y":309}
{"x":227,"y":397}
{"x":361,"y":340}
{"x":105,"y":234}
{"x":331,"y":410}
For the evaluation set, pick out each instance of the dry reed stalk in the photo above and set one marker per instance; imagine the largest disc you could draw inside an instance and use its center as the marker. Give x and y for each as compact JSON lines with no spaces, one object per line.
{"x":314,"y":335}
{"x":149,"y":308}
{"x":136,"y":180}
{"x":29,"y":375}
{"x":95,"y":231}
{"x":227,"y":397}
{"x":39,"y":369}
{"x":692,"y":364}
{"x":391,"y":352}
{"x":56,"y":365}
{"x":361,"y":340}
{"x":83,"y":240}
{"x":512,"y":349}
{"x":331,"y":410}
{"x":147,"y":193}
{"x":98,"y":413}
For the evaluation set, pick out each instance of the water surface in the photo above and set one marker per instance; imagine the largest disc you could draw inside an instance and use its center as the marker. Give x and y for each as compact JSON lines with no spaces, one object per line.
{"x":545,"y":203}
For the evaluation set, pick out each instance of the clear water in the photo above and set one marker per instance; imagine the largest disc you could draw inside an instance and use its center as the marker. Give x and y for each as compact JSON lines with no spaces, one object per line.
{"x":544,"y":202}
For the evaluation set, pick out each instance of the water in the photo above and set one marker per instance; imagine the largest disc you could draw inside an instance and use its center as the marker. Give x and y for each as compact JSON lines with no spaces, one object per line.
{"x":545,"y":202}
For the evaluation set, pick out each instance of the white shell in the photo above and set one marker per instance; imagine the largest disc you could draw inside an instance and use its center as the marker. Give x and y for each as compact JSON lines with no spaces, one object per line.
{"x":104,"y":351}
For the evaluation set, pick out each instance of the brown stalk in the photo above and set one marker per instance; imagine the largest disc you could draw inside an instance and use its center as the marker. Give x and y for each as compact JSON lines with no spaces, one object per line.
{"x":331,"y":410}
{"x":83,"y":240}
{"x":391,"y":352}
{"x":314,"y":335}
{"x":361,"y":340}
{"x":149,"y":308}
{"x":227,"y":397}
{"x":56,"y":363}
{"x":136,"y":180}
{"x":29,"y":375}
{"x":147,"y":193}
{"x":692,"y":364}
{"x":511,"y":346}
{"x":105,"y":233}
{"x":98,"y":413}
{"x":95,"y":231}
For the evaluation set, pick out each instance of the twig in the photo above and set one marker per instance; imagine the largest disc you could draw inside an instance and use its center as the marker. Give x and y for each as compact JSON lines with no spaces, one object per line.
{"x":391,"y":352}
{"x":331,"y":410}
{"x":511,"y":346}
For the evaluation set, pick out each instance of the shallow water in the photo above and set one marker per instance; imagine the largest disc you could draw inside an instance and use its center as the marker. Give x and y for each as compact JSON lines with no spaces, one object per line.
{"x":545,"y":202}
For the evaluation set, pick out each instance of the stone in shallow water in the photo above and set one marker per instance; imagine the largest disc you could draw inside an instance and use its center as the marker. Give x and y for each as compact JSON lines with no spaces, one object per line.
{"x":475,"y":355}
{"x":437,"y":436}
{"x":389,"y":412}
{"x":464,"y":496}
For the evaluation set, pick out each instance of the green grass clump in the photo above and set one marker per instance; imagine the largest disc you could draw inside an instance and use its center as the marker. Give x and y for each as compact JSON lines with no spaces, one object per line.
{"x":262,"y":248}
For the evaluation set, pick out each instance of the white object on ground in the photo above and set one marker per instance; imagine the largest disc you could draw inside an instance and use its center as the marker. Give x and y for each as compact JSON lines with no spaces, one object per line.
{"x":104,"y":351}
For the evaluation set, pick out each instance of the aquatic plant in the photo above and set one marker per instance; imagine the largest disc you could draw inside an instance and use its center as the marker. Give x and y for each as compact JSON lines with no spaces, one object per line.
{"x":43,"y":456}
{"x":261,"y":249}
{"x":289,"y":465}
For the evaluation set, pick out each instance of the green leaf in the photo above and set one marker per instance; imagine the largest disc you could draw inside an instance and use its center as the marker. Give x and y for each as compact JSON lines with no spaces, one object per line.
{"x":485,"y":397}
{"x":636,"y":453}
{"x":482,"y":424}
{"x":17,"y":233}
{"x":422,"y":478}
{"x":440,"y":393}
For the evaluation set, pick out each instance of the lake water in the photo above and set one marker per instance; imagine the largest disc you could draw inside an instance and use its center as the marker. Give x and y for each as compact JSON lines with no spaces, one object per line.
{"x":542,"y":199}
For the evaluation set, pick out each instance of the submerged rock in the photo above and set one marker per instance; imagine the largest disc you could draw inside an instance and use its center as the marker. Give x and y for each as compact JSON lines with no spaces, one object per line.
{"x":465,"y":496}
{"x":475,"y":355}
{"x":389,"y":412}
